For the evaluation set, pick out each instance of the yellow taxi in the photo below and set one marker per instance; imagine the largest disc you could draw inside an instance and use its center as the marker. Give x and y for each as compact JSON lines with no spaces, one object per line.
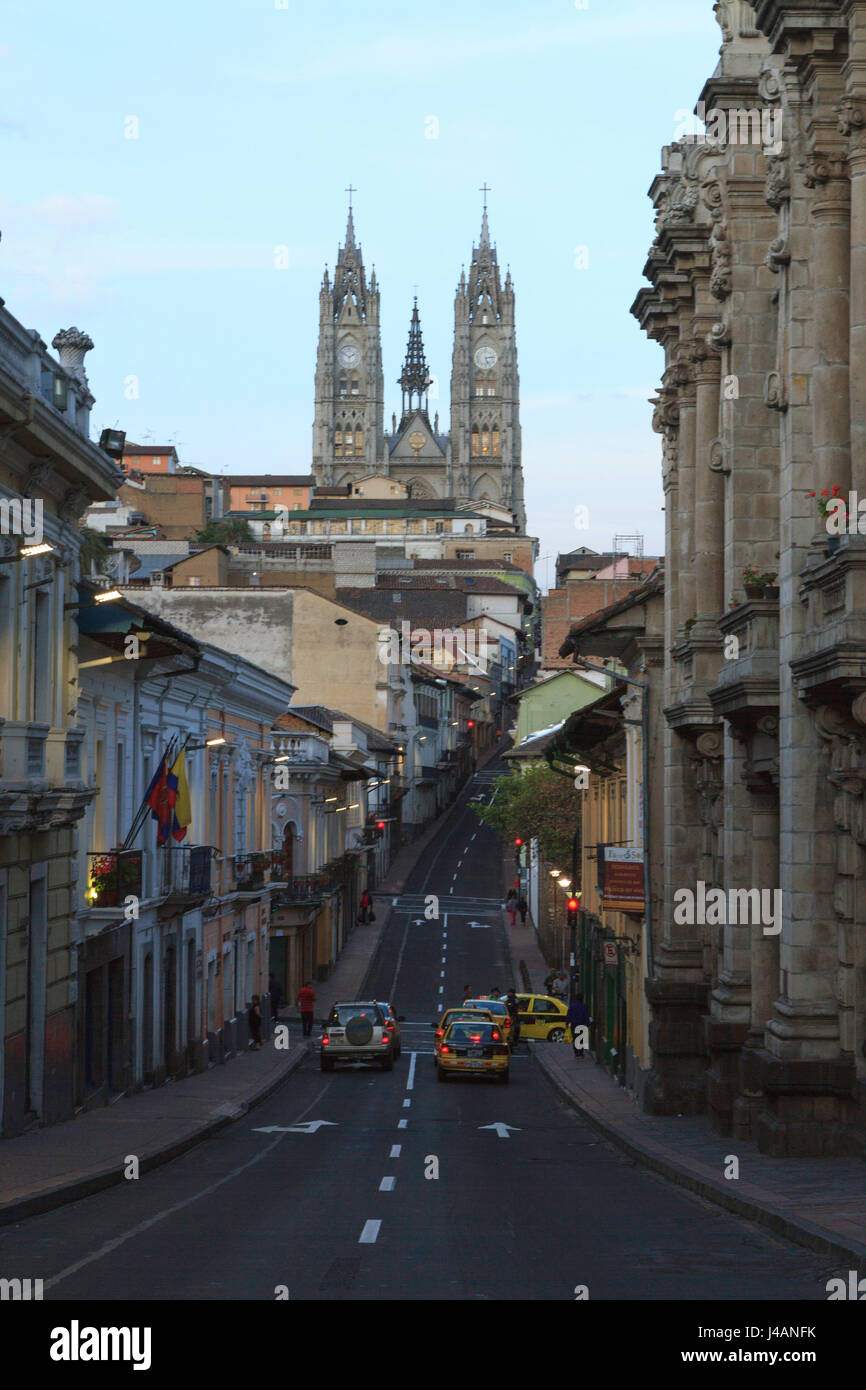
{"x":542,"y":1017}
{"x":498,"y":1010}
{"x":440,"y":1028}
{"x":473,"y":1047}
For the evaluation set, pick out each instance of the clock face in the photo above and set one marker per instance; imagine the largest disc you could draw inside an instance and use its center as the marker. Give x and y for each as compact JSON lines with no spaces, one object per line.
{"x":349,"y":355}
{"x":417,"y":439}
{"x":485,"y":357}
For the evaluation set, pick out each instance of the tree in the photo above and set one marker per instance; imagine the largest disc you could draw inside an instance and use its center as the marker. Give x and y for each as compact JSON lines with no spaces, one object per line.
{"x":94,"y":551}
{"x":228,"y":531}
{"x":535,"y":804}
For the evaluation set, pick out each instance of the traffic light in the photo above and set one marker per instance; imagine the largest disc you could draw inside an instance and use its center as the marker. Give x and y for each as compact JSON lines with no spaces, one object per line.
{"x":470,"y":723}
{"x":573,"y":904}
{"x":517,"y":842}
{"x":380,"y":829}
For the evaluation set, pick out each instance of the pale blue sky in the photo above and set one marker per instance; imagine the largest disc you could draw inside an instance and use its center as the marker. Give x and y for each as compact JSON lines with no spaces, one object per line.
{"x":252,"y":121}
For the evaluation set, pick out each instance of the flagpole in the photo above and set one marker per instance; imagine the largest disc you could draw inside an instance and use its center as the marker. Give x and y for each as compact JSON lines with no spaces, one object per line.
{"x":140,"y":815}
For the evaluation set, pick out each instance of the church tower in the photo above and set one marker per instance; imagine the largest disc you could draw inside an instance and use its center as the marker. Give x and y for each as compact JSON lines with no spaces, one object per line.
{"x":485,"y":387}
{"x":348,"y":430}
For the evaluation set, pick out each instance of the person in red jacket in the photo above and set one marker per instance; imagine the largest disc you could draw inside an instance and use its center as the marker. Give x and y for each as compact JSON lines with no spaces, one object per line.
{"x":306,"y":1004}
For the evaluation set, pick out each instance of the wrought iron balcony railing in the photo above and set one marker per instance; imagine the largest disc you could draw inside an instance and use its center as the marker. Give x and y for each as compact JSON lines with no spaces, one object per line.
{"x":112,"y":876}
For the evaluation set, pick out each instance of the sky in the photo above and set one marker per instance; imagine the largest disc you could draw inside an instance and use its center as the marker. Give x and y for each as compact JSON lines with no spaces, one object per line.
{"x":172,"y":181}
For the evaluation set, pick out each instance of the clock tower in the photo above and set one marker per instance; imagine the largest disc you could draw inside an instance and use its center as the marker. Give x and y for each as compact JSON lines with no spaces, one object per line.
{"x":485,"y":387}
{"x":348,"y":430}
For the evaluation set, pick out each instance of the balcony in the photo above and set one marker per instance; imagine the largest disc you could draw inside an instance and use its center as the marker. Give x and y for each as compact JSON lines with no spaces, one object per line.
{"x":183,"y":875}
{"x":112,"y":876}
{"x":250,"y":873}
{"x":306,"y":888}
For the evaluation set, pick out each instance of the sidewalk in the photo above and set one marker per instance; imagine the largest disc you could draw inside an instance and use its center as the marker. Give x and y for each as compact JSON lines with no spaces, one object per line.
{"x":49,"y":1167}
{"x":819,"y":1203}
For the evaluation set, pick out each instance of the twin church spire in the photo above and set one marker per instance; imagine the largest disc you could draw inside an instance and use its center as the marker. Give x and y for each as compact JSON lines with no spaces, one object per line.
{"x":478,"y":460}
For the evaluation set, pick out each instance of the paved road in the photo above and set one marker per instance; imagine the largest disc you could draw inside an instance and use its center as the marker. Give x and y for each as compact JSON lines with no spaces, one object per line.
{"x":345,"y":1209}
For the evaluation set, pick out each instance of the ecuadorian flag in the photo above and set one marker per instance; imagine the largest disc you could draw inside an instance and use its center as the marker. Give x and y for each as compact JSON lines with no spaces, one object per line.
{"x":182,"y":807}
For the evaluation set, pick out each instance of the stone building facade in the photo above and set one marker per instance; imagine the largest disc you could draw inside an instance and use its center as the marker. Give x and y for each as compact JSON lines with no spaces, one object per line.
{"x":758,"y":297}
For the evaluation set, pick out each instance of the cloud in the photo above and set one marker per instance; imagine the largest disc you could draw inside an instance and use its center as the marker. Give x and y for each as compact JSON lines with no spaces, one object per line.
{"x":74,"y":209}
{"x":408,"y":54}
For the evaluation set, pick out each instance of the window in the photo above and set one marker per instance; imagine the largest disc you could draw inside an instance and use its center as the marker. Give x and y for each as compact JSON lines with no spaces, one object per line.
{"x":72,"y":761}
{"x":195,"y":581}
{"x":341,"y":388}
{"x":359,"y":442}
{"x":485,"y":439}
{"x":495,"y":441}
{"x":278,"y":492}
{"x":474,"y":441}
{"x":507,"y":556}
{"x":466,"y":555}
{"x":338,"y":443}
{"x":354,"y":386}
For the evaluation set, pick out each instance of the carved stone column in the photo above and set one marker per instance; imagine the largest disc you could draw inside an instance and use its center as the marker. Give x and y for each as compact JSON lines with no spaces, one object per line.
{"x":709,"y":489}
{"x":825,"y":173}
{"x":852,"y":123}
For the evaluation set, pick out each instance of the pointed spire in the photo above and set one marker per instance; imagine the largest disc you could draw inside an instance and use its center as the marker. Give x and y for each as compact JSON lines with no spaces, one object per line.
{"x":414,"y":379}
{"x":349,"y":243}
{"x":484,"y":243}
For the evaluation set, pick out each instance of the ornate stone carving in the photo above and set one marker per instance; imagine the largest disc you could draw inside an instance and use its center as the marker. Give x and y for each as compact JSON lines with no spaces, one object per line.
{"x":74,"y":504}
{"x":682,"y":204}
{"x":720,"y":252}
{"x":778,"y":254}
{"x":39,"y":479}
{"x":769,"y":86}
{"x":72,"y":345}
{"x":777,"y":188}
{"x":851,"y":117}
{"x":719,"y":335}
{"x":819,"y":167}
{"x":719,"y":459}
{"x":775,"y":394}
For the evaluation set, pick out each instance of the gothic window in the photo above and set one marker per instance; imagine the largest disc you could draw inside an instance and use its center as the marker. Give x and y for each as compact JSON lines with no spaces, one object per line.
{"x":479,"y":386}
{"x":474,"y":441}
{"x":342,"y":387}
{"x":485,"y":439}
{"x":348,"y":441}
{"x":354,"y":386}
{"x":494,"y":443}
{"x":338,"y":442}
{"x":359,"y":442}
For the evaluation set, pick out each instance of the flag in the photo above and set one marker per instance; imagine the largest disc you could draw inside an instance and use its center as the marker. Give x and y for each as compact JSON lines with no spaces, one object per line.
{"x":182,"y":816}
{"x":160,"y":797}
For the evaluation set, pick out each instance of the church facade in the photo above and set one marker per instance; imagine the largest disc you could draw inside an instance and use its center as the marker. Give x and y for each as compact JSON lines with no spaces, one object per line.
{"x":479,"y":458}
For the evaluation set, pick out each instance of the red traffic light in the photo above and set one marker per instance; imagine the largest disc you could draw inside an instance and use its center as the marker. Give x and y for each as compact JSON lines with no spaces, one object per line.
{"x":470,"y":723}
{"x":518,"y":842}
{"x":572,"y":904}
{"x":380,"y":825}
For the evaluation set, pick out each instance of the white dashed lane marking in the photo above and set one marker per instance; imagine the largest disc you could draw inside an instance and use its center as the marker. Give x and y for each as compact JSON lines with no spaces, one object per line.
{"x":402,"y":1124}
{"x":395,"y":1150}
{"x":410,"y":1080}
{"x":387,"y":1184}
{"x":370,"y":1233}
{"x":406,"y":1103}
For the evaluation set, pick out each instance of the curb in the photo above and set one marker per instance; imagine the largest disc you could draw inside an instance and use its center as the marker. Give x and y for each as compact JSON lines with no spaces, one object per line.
{"x":800,"y":1232}
{"x":54,"y":1197}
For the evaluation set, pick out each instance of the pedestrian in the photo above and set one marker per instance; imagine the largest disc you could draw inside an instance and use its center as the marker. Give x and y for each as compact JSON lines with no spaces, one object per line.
{"x":511,"y":905}
{"x":548,"y":981}
{"x":365,"y":911}
{"x":578,"y":1017}
{"x":523,"y":909}
{"x":254,"y":1017}
{"x":275,"y":990}
{"x":559,"y":987}
{"x":513,"y":1005}
{"x":467,"y":992}
{"x":306,"y":1002}
{"x":494,"y":994}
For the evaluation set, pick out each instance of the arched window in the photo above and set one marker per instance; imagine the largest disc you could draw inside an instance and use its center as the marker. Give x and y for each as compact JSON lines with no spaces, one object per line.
{"x":348,"y":440}
{"x":494,"y":447}
{"x":479,"y":386}
{"x":266,"y":531}
{"x":354,"y":386}
{"x":338,"y":442}
{"x":485,"y":439}
{"x":468,"y":528}
{"x":474,"y":441}
{"x":342,"y":386}
{"x":359,"y":442}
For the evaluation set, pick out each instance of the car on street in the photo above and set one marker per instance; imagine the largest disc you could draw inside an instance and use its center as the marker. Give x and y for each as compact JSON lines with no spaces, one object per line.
{"x":497,"y":1008}
{"x":543,"y":1018}
{"x":392,"y":1023}
{"x":356,"y":1031}
{"x":449,"y":1016}
{"x":473,"y":1047}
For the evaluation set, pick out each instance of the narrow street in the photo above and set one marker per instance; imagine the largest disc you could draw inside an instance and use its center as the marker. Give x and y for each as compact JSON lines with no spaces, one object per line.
{"x":342,"y":1209}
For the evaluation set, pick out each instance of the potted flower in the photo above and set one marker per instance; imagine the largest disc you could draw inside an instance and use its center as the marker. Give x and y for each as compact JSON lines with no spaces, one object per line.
{"x":834,"y":512}
{"x":756,"y":583}
{"x":689,"y":624}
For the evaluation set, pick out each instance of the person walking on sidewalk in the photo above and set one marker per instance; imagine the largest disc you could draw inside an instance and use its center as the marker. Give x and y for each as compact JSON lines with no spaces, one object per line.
{"x":254,"y":1018}
{"x":578,"y":1017}
{"x":275,"y":990}
{"x":306,"y":1003}
{"x":511,"y":905}
{"x":522,"y":908}
{"x":467,"y":992}
{"x":365,"y":911}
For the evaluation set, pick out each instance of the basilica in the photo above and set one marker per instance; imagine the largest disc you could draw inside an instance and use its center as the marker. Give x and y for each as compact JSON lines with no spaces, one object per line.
{"x":477,"y":461}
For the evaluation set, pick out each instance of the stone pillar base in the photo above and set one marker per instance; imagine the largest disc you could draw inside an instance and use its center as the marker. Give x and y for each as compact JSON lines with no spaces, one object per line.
{"x":809,"y":1108}
{"x":677,"y":1083}
{"x":723,"y":1042}
{"x":749,"y":1100}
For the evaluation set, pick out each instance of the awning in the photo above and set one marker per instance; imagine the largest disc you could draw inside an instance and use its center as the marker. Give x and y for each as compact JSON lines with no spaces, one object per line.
{"x":584,"y":733}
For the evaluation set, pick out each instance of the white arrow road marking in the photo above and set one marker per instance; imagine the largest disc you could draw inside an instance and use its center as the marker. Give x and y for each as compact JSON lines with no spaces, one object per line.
{"x":308,"y":1127}
{"x":501,"y":1129}
{"x":387,"y":1184}
{"x":370,"y":1232}
{"x":485,"y":926}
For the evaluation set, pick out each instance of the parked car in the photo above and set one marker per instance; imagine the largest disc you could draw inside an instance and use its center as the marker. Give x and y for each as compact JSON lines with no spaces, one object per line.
{"x":543,"y":1018}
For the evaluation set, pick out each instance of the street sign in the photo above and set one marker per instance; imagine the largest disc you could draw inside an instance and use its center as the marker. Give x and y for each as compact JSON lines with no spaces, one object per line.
{"x":610,"y":953}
